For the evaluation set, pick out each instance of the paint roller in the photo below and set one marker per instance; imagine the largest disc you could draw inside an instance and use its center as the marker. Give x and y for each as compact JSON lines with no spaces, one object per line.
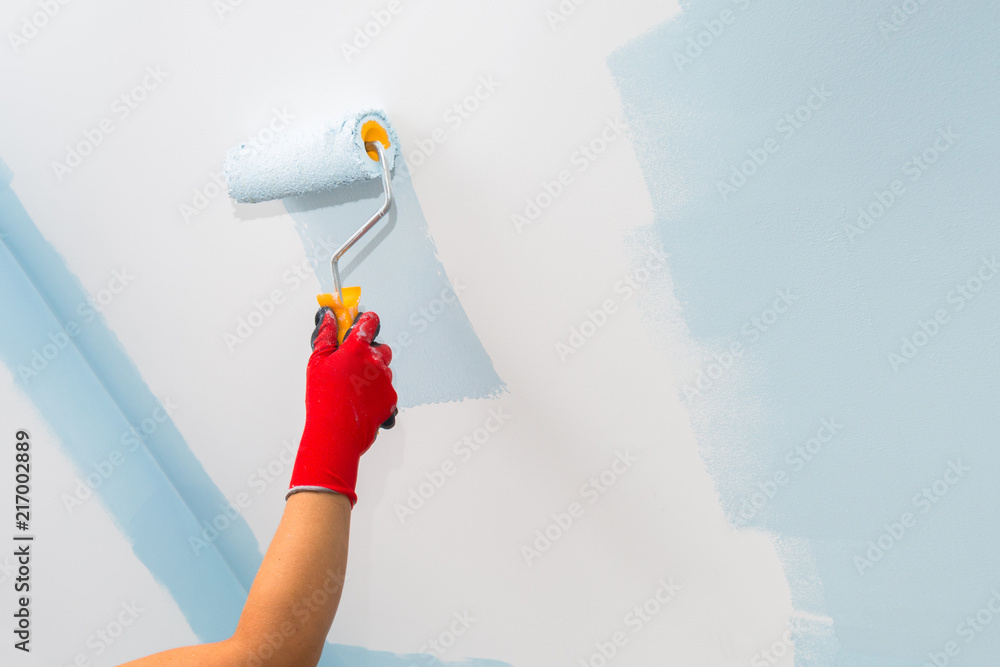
{"x":360,"y":147}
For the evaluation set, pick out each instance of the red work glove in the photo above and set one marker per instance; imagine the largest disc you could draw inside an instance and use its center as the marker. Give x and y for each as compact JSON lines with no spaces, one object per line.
{"x":349,"y":395}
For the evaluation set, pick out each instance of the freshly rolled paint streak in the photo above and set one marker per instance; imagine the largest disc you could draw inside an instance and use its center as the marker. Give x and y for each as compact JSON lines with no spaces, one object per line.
{"x":91,"y":393}
{"x":437,"y":355}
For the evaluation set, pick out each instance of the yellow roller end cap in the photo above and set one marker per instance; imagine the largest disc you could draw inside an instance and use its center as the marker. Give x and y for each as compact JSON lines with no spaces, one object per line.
{"x":370,"y":132}
{"x":345,"y":312}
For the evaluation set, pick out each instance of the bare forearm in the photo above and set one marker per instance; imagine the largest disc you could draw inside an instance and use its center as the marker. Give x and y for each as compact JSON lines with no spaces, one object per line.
{"x":294,"y":597}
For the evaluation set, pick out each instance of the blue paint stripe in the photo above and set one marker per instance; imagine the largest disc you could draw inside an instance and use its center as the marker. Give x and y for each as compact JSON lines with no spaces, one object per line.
{"x":91,"y":394}
{"x":82,"y":412}
{"x":61,"y":294}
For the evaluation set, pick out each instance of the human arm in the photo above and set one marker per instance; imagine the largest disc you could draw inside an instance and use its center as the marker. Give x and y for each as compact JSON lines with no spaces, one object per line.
{"x":294,"y":597}
{"x":295,"y":594}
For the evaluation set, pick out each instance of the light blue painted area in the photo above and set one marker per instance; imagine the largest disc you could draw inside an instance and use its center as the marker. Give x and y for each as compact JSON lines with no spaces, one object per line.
{"x":437,"y":355}
{"x":352,"y":656}
{"x":93,"y":397}
{"x":708,"y":93}
{"x":63,"y":296}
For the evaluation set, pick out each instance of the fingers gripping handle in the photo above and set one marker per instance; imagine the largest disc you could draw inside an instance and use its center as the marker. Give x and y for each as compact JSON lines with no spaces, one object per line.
{"x":346,"y":318}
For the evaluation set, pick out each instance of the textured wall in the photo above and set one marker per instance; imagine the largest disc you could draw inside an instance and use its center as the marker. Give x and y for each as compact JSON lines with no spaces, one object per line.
{"x":724,"y":312}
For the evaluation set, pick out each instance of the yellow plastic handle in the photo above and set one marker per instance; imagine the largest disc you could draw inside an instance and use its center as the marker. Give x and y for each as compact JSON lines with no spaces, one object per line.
{"x":345,"y":312}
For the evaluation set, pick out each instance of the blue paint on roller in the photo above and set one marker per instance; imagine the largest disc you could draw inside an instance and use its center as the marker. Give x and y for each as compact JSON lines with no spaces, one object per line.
{"x":847,"y":151}
{"x":93,"y":397}
{"x":315,"y":159}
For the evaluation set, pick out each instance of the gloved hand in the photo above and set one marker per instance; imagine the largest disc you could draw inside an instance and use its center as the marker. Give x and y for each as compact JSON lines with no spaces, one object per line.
{"x":349,"y":395}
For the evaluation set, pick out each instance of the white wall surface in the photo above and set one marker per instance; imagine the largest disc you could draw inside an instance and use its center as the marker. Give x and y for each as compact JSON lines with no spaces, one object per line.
{"x":462,"y":551}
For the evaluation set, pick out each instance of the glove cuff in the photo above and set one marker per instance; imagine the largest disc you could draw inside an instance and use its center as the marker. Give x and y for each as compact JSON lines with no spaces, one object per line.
{"x":325,"y":462}
{"x":322,"y":489}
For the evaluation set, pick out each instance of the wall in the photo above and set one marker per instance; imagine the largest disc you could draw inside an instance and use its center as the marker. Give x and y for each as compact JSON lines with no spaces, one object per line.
{"x":704,"y":363}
